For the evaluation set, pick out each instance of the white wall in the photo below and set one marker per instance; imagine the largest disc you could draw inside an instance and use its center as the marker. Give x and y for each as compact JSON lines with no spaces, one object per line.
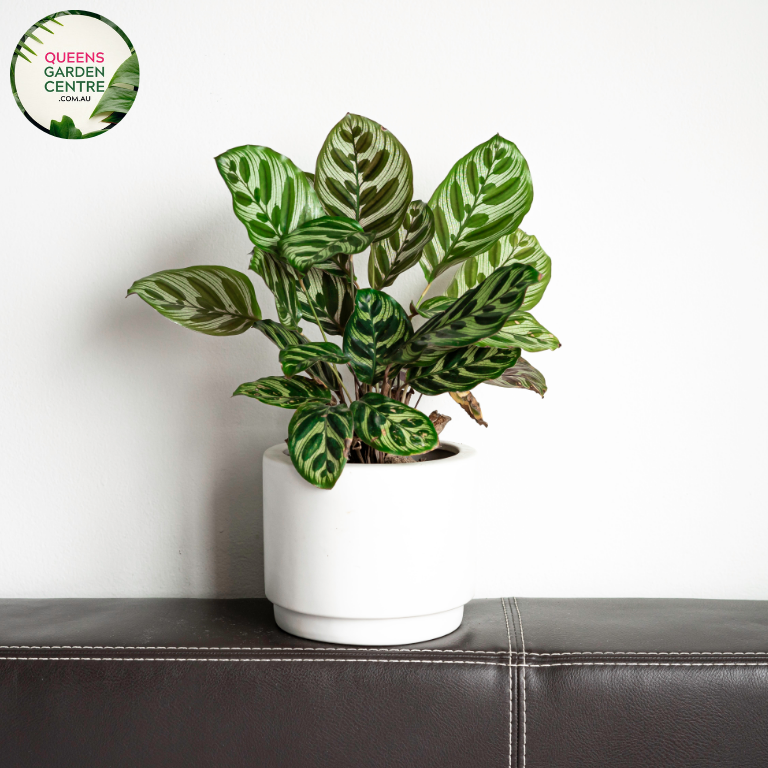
{"x":126,"y":468}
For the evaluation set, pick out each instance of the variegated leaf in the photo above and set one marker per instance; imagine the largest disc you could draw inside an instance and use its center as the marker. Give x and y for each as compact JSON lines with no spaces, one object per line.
{"x":286,"y":337}
{"x":317,"y":435}
{"x":461,"y":369}
{"x":215,"y":300}
{"x":479,"y":313}
{"x":364,"y":173}
{"x":435,"y":306}
{"x":377,"y":327}
{"x":333,"y":297}
{"x":523,"y":330}
{"x":310,"y":178}
{"x":516,"y":247}
{"x":302,"y":356}
{"x":270,"y":195}
{"x":522,"y":375}
{"x":317,"y":241}
{"x":402,"y":249}
{"x":284,"y":392}
{"x":468,"y":403}
{"x":484,"y":197}
{"x":281,"y":279}
{"x":393,"y":427}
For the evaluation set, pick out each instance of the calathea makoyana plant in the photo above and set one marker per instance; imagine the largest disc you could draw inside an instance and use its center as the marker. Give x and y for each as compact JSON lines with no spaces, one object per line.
{"x":306,"y":229}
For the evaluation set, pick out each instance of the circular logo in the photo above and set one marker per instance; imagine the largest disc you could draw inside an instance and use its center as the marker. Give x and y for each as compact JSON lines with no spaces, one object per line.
{"x":75,"y":74}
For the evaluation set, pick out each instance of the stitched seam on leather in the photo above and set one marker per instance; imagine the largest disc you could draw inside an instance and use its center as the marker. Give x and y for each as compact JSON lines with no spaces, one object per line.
{"x":518,"y":688}
{"x":319,"y":661}
{"x":349,"y":649}
{"x":509,"y":641}
{"x":651,"y":664}
{"x":522,"y":640}
{"x":652,"y":653}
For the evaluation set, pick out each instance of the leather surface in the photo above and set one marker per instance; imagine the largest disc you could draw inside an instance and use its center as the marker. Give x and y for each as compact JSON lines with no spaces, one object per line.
{"x":529,"y":683}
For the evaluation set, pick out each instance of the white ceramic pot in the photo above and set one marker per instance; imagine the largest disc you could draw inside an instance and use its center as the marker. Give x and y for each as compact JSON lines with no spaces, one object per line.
{"x":384,"y":558}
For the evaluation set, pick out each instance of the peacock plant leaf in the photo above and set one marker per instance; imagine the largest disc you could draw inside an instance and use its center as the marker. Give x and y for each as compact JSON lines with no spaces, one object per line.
{"x":462,"y":369}
{"x":332,"y":295}
{"x":281,"y":279}
{"x":270,"y":195}
{"x":479,"y":313}
{"x":376,"y":328}
{"x":284,"y":392}
{"x":317,"y":439}
{"x":522,"y":375}
{"x":298,"y":358}
{"x":365,"y":174}
{"x":468,"y":403}
{"x":397,"y":253}
{"x":515,"y":247}
{"x":484,"y":197}
{"x":286,"y":337}
{"x":435,"y":306}
{"x":318,"y":241}
{"x":390,"y":426}
{"x":215,"y":300}
{"x":523,"y":330}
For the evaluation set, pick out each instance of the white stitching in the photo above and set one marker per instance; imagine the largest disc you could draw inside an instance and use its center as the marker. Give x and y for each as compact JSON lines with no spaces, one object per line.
{"x":522,"y":639}
{"x":509,"y":641}
{"x":344,"y":661}
{"x":650,"y":664}
{"x":652,"y":653}
{"x":229,"y":648}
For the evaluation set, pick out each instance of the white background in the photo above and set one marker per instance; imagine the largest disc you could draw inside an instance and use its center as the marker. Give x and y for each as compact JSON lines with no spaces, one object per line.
{"x":126,"y":468}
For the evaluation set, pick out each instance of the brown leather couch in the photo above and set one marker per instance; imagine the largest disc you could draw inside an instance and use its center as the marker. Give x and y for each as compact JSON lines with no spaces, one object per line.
{"x":529,"y":683}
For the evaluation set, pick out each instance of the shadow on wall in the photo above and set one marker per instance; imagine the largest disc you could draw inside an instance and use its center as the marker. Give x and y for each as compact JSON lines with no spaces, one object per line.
{"x":198,"y":452}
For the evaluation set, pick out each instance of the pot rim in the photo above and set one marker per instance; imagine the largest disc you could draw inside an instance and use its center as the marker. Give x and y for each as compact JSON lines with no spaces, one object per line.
{"x":461,"y":452}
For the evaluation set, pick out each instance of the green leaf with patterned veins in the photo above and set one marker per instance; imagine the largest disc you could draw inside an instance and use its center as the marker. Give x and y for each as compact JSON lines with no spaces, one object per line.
{"x":270,"y":195}
{"x":364,"y":173}
{"x":462,"y":369}
{"x":284,"y":392}
{"x":281,"y":279}
{"x":479,"y":313}
{"x":284,"y":337}
{"x":522,"y":375}
{"x":332,"y":295}
{"x":390,"y":426}
{"x":522,"y":330}
{"x":402,"y":249}
{"x":377,"y":327}
{"x":215,"y":300}
{"x":484,"y":197}
{"x":300,"y":357}
{"x":115,"y":98}
{"x":320,"y":240}
{"x":435,"y":306}
{"x":516,"y":247}
{"x":65,"y":129}
{"x":317,"y":436}
{"x":310,"y":178}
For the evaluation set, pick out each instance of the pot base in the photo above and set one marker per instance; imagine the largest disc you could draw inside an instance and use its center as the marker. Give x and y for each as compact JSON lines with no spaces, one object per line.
{"x":412,"y":629}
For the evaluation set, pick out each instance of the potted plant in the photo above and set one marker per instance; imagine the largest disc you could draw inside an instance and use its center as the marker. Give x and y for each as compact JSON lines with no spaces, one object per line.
{"x":380,"y":553}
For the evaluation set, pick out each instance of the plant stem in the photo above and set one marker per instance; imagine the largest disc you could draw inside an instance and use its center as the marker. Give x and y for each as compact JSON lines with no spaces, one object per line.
{"x":325,"y":338}
{"x":419,"y":400}
{"x":423,"y":294}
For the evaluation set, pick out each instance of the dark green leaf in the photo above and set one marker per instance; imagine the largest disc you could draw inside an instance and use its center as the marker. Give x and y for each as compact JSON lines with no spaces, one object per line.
{"x":284,"y":392}
{"x":435,"y":306}
{"x":128,"y":72}
{"x":393,"y":427}
{"x":365,"y":174}
{"x":215,"y":300}
{"x":333,"y":297}
{"x":115,"y":99}
{"x":317,"y":436}
{"x":461,"y":369}
{"x":65,"y":129}
{"x":479,"y":313}
{"x":281,"y":279}
{"x":320,"y":240}
{"x":402,"y":249}
{"x":522,"y":330}
{"x":302,"y":356}
{"x":377,"y":327}
{"x":485,"y":196}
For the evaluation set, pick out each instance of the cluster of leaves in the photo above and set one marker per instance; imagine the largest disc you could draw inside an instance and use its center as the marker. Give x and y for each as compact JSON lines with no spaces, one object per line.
{"x":306,"y":229}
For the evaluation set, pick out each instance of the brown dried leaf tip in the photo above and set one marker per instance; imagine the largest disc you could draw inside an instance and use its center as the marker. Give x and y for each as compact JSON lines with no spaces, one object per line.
{"x":439,"y":421}
{"x":469,"y":404}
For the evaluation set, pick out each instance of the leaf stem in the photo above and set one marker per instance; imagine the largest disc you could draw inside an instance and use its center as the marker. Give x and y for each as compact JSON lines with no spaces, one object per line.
{"x":424,"y":293}
{"x":325,"y":338}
